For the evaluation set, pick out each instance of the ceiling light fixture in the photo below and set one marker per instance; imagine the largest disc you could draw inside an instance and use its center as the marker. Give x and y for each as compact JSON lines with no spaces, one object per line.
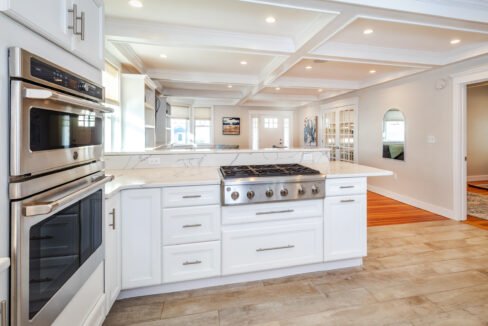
{"x":164,"y":56}
{"x":320,"y":90}
{"x":455,"y":41}
{"x":368,"y":31}
{"x":308,"y":67}
{"x":229,"y":86}
{"x":243,"y":62}
{"x":372,"y":71}
{"x":135,"y":3}
{"x":270,"y":20}
{"x":277,"y":88}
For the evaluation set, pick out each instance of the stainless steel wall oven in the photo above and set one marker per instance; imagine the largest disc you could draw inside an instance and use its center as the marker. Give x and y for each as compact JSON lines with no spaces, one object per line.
{"x":56,"y":186}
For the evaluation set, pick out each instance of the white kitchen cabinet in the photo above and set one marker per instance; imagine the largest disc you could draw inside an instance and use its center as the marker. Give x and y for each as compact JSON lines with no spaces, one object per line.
{"x":345,"y":227}
{"x":141,"y":237}
{"x":113,"y":265}
{"x":261,"y":246}
{"x":191,"y":196}
{"x":52,"y":19}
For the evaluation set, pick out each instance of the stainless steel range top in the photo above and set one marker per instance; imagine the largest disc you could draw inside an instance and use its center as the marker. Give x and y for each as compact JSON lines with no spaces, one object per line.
{"x":250,"y":184}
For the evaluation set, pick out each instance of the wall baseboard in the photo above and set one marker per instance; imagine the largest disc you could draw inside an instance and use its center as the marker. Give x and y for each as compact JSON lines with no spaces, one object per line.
{"x":413,"y":202}
{"x":477,"y":178}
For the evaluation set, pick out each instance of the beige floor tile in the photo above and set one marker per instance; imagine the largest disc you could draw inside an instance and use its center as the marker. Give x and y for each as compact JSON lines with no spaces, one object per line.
{"x":130,"y":315}
{"x":460,"y":265}
{"x":396,"y":250}
{"x":453,"y":318}
{"x":237,"y":298}
{"x":480,"y":311}
{"x":432,"y":284}
{"x":204,"y":319}
{"x":460,"y":298}
{"x":449,"y":244}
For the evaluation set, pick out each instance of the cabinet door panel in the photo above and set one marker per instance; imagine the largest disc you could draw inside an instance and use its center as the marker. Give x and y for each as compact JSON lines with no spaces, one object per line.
{"x":345,"y":227}
{"x":113,"y":276}
{"x":141,"y":238}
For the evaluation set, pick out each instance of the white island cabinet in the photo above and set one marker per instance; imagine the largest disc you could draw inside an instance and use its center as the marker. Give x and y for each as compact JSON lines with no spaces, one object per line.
{"x":113,"y":264}
{"x":141,"y":237}
{"x":54,"y":20}
{"x":345,"y":219}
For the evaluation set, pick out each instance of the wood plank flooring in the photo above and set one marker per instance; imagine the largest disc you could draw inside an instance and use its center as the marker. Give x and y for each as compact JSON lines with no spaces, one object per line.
{"x":428,"y":273}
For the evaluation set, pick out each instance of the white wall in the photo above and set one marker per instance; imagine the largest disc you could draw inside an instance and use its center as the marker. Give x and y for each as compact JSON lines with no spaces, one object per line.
{"x":13,"y":34}
{"x":425,"y":178}
{"x":477,"y":132}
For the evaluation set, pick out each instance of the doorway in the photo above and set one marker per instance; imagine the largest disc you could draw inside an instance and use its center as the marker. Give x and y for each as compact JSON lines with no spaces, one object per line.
{"x":271,"y":129}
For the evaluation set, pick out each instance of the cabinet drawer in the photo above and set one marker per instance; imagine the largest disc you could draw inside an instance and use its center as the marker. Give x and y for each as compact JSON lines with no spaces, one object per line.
{"x":345,"y":186}
{"x":191,"y":261}
{"x":191,"y":196}
{"x":272,"y":211}
{"x":191,"y":224}
{"x":261,"y":246}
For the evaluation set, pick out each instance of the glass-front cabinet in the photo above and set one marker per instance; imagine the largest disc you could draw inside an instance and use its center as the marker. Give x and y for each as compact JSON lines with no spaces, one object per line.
{"x":339,"y":133}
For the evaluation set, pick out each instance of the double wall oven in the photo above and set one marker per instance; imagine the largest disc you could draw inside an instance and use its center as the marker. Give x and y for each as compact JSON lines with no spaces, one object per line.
{"x":56,"y":185}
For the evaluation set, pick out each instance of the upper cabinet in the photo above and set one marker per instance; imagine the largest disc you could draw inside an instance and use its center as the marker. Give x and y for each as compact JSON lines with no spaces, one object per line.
{"x":76,"y":25}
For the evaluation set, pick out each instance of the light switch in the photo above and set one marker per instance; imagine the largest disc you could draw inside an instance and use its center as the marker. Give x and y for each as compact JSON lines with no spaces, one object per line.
{"x":431,"y":139}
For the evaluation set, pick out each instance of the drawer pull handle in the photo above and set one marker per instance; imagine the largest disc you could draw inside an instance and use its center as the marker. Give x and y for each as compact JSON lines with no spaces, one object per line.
{"x":191,"y":226}
{"x":276,"y":212}
{"x":192,"y":196}
{"x":196,"y":262}
{"x":346,"y":187}
{"x":347,"y":201}
{"x":275,"y":248}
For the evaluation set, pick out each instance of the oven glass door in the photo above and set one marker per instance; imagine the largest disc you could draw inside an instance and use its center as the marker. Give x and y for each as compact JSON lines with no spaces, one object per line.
{"x":51,"y":129}
{"x":59,"y":245}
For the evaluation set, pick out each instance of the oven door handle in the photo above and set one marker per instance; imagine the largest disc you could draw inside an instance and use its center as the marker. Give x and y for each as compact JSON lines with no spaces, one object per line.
{"x":44,"y":94}
{"x":42,"y":208}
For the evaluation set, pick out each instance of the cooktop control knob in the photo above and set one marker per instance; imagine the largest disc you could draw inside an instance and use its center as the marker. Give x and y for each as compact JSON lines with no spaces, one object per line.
{"x":269,"y":193}
{"x":250,"y":194}
{"x":301,"y":191}
{"x":83,"y":87}
{"x":284,"y":192}
{"x":234,"y":195}
{"x":315,"y":189}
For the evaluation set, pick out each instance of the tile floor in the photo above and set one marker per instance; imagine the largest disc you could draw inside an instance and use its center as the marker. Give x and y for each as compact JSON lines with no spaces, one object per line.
{"x":430,"y":273}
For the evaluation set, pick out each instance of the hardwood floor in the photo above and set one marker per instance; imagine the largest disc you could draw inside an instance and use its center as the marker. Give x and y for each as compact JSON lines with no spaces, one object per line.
{"x":475,"y":221}
{"x":428,"y":273}
{"x":386,"y":211}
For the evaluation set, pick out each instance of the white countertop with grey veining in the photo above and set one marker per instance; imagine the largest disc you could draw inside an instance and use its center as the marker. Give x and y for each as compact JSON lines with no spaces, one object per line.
{"x":192,"y":176}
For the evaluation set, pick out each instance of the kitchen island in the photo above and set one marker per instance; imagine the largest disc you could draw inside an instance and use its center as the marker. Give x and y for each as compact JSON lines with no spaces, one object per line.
{"x":174,"y":233}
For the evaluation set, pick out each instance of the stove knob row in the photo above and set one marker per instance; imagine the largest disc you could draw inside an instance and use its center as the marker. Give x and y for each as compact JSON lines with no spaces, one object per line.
{"x":250,"y":194}
{"x":269,"y":193}
{"x":315,"y":189}
{"x":234,"y":195}
{"x":284,"y":192}
{"x":301,"y":191}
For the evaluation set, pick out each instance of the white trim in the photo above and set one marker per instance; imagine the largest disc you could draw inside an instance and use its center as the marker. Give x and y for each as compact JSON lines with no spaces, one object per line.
{"x":412,"y":202}
{"x":239,"y":278}
{"x":281,"y":113}
{"x":477,"y":178}
{"x":459,"y":136}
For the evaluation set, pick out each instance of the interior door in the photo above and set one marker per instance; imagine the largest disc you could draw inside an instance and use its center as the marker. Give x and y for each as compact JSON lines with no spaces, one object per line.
{"x":270,"y":131}
{"x":339,"y":133}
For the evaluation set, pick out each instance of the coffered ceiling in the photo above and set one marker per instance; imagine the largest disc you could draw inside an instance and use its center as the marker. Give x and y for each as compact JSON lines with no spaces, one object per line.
{"x":287,"y":53}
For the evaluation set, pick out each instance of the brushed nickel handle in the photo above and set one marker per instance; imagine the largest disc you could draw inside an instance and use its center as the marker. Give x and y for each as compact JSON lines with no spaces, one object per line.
{"x":196,"y":262}
{"x":3,"y":313}
{"x":191,"y":196}
{"x":347,"y":201}
{"x":275,"y":248}
{"x":113,"y":218}
{"x":82,"y":21}
{"x":276,"y":212}
{"x":191,"y":226}
{"x":74,"y":20}
{"x":346,"y":187}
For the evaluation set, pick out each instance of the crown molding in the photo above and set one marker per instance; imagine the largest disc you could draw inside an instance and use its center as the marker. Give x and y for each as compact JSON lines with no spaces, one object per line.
{"x":202,"y":77}
{"x":198,"y":93}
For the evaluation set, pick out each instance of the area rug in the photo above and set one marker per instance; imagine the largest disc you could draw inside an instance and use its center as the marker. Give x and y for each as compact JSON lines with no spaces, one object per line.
{"x":478,"y":205}
{"x":480,"y":186}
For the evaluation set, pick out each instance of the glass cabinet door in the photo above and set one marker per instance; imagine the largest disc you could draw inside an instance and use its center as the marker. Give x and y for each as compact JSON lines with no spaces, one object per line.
{"x":339,"y":128}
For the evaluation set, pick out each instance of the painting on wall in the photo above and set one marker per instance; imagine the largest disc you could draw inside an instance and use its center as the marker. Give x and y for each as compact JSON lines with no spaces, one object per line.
{"x":310,"y":131}
{"x":231,"y":126}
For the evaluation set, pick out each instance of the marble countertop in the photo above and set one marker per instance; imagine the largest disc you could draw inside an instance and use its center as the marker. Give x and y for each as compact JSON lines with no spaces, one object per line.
{"x":164,"y":177}
{"x":218,"y":151}
{"x":4,"y":263}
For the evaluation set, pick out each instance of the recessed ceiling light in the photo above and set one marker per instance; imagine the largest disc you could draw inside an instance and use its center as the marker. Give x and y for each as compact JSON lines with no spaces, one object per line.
{"x":368,"y":31}
{"x":372,"y":71}
{"x":243,"y":62}
{"x":229,"y":86}
{"x":455,"y":41}
{"x":135,"y":3}
{"x":164,"y":56}
{"x":308,"y":67}
{"x":277,"y":88}
{"x":270,"y":20}
{"x":320,"y":90}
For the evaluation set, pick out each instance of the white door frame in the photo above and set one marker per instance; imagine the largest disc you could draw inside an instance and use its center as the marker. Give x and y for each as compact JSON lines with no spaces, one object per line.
{"x":280,"y":113}
{"x":459,"y":136}
{"x":351,"y":101}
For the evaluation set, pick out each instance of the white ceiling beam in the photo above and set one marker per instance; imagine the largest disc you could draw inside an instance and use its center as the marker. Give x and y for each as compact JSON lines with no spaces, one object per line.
{"x":284,"y":97}
{"x":295,"y":82}
{"x":201,"y":93}
{"x":131,"y":56}
{"x":160,"y":34}
{"x":202,"y":77}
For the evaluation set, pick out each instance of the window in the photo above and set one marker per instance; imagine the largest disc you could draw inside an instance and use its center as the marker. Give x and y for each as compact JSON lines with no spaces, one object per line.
{"x":202,"y":125}
{"x":180,"y":125}
{"x":191,"y":125}
{"x":271,"y":123}
{"x":286,"y":132}
{"x":113,"y":125}
{"x":255,"y":133}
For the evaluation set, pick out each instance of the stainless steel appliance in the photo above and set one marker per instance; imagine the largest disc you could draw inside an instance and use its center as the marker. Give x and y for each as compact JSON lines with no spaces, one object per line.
{"x":250,"y":184}
{"x":56,"y":186}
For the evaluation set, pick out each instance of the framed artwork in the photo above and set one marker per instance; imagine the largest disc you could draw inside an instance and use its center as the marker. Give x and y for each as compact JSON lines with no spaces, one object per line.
{"x":231,"y":126}
{"x":310,"y":131}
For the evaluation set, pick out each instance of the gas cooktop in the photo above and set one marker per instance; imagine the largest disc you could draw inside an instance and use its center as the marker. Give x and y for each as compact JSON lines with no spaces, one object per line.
{"x":271,"y":170}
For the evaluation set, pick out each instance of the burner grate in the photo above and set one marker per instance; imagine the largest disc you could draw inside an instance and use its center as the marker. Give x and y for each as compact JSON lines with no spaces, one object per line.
{"x":268,"y":170}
